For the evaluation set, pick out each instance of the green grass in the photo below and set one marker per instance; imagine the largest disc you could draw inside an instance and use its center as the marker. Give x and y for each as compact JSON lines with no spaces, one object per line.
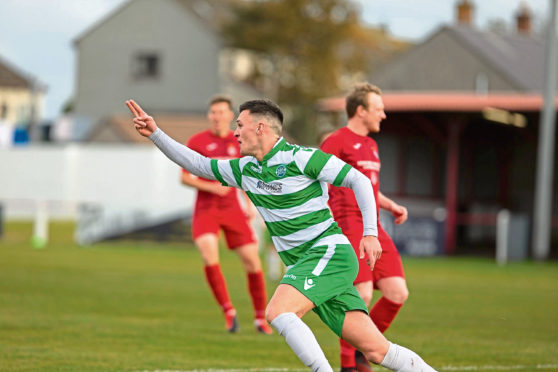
{"x":127,"y":306}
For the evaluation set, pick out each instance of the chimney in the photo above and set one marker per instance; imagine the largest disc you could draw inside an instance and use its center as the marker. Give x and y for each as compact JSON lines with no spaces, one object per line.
{"x":523,"y":19}
{"x":464,"y":13}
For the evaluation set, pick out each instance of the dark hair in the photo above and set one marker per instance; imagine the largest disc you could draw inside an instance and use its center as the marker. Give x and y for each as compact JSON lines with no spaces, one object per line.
{"x":358,"y":97}
{"x":263,"y":107}
{"x":221,"y":99}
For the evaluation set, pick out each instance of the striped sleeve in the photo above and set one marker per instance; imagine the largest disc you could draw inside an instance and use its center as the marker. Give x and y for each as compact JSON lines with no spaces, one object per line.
{"x":227,"y":172}
{"x":311,"y":161}
{"x":318,"y":165}
{"x":182,"y":155}
{"x":334,"y":171}
{"x":364,"y":195}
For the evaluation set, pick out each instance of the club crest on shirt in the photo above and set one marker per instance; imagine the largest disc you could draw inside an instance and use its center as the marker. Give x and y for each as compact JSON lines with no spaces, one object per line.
{"x":231,"y":150}
{"x":281,"y":170}
{"x":273,"y":187}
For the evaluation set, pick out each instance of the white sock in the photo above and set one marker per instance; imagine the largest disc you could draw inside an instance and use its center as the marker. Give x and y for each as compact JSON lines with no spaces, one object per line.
{"x":401,"y":359}
{"x":302,"y":341}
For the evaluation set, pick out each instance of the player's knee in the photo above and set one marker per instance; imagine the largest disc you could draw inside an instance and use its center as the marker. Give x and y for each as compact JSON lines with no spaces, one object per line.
{"x":374,"y":356}
{"x":250,"y":260}
{"x":398,"y":295}
{"x":253,"y":265}
{"x":270,"y":314}
{"x":367,"y":298}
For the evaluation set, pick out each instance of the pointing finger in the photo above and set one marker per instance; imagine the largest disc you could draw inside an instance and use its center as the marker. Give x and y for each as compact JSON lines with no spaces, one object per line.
{"x":132,"y":108}
{"x":138,"y":108}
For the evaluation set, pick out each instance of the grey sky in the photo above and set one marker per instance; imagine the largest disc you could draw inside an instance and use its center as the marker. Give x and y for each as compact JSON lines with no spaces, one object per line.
{"x":36,"y":35}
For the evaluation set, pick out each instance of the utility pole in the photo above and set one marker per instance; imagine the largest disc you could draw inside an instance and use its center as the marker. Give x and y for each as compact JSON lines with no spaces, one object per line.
{"x":545,"y":152}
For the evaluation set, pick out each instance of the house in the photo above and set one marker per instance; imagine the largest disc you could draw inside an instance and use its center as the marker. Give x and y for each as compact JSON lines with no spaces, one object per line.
{"x":21,"y":100}
{"x":460,"y":57}
{"x":460,"y":139}
{"x":164,"y":54}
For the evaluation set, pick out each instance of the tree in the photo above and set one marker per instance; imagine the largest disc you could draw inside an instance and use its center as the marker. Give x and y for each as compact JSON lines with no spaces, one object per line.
{"x":305,"y":50}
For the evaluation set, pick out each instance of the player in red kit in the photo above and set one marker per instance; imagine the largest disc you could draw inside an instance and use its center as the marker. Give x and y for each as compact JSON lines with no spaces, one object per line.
{"x":218,"y":208}
{"x":365,"y":110}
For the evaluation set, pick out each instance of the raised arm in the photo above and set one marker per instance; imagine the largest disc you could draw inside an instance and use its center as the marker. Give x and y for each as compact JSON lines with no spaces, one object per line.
{"x":177,"y":152}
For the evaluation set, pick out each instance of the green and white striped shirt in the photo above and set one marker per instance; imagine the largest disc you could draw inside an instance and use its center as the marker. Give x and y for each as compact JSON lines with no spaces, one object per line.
{"x":288,"y":187}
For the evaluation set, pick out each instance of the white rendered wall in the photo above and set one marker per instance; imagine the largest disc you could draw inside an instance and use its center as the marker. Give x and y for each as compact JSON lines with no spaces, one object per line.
{"x":115,"y":177}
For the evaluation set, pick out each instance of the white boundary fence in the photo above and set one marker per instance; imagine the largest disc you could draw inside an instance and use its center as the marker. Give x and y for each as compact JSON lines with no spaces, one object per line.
{"x":128,"y":180}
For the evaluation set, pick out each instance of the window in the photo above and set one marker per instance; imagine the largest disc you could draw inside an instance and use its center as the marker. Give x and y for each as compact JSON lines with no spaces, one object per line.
{"x":146,"y":66}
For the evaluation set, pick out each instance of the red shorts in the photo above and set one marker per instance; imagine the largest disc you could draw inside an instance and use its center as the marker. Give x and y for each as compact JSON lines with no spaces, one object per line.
{"x":232,"y":221}
{"x":388,"y":265}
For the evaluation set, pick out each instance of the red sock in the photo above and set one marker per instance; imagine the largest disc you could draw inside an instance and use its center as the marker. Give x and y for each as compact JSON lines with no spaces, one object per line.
{"x":383,"y":313}
{"x":347,"y":354}
{"x":256,"y":286}
{"x":216,"y":282}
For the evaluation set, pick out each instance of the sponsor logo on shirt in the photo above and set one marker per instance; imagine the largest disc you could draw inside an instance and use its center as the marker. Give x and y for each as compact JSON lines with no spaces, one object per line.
{"x":367,"y":164}
{"x":281,"y":170}
{"x":357,"y":146}
{"x":308,"y":283}
{"x":273,"y":187}
{"x":290,"y":276}
{"x":212,"y":146}
{"x":256,"y":168}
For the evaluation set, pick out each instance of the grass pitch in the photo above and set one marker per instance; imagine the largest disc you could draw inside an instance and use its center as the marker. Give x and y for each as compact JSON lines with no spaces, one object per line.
{"x":127,"y":306}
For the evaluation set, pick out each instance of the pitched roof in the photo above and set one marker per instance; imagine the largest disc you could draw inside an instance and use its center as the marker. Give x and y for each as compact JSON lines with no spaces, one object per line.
{"x":179,"y":127}
{"x":13,"y":77}
{"x":519,"y":57}
{"x":209,"y":11}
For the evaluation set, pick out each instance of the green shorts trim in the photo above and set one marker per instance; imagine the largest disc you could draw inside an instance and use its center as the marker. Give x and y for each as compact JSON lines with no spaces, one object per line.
{"x":325,"y":275}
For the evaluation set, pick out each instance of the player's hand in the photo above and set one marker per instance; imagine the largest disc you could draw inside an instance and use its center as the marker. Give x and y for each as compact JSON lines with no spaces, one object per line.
{"x":400,"y":214}
{"x":218,"y":189}
{"x":250,"y":211}
{"x":371,"y":246}
{"x":144,"y":124}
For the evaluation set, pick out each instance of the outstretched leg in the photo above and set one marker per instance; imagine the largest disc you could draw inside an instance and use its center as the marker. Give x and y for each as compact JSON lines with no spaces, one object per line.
{"x":283,"y":312}
{"x":360,"y":331}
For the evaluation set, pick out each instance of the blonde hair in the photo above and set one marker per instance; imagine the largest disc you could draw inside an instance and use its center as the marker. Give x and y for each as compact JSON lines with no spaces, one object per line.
{"x":358,"y":97}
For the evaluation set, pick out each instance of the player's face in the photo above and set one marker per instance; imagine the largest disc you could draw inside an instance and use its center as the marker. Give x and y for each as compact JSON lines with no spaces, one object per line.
{"x":374,"y":114}
{"x":246,"y":133}
{"x":220,"y":117}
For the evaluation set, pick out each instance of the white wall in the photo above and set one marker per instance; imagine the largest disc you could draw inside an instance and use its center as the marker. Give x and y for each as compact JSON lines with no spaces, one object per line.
{"x":115,"y":177}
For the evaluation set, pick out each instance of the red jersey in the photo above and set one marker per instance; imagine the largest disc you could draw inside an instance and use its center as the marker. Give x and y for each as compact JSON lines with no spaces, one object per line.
{"x":209,"y":144}
{"x":362,"y":153}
